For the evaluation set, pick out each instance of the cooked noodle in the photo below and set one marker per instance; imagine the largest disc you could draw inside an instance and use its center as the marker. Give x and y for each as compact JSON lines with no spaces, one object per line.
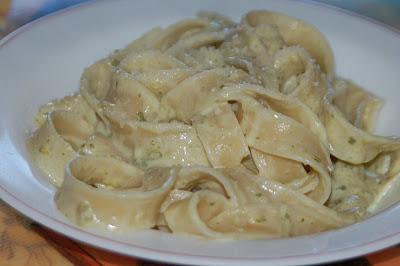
{"x":218,"y":129}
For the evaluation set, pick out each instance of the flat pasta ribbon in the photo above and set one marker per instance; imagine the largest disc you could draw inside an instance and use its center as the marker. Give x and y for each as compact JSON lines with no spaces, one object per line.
{"x":106,"y":193}
{"x":220,"y":130}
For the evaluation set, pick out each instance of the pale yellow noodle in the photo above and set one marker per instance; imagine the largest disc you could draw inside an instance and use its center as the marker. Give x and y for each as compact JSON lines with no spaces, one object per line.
{"x":220,"y":130}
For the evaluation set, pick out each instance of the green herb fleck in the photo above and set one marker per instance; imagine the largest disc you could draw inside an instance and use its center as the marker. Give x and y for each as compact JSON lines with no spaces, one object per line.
{"x":91,"y":145}
{"x":258,"y":194}
{"x":115,"y":62}
{"x":351,"y":140}
{"x":260,"y":220}
{"x":342,"y":187}
{"x":212,"y":203}
{"x":140,"y":116}
{"x":287,"y":216}
{"x":317,"y":159}
{"x":302,"y":220}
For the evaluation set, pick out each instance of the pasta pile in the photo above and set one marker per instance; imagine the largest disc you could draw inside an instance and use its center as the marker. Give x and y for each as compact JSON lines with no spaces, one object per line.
{"x":220,"y":130}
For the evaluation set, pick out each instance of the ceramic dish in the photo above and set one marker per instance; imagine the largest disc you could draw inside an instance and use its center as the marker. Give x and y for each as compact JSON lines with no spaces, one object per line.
{"x":44,"y":60}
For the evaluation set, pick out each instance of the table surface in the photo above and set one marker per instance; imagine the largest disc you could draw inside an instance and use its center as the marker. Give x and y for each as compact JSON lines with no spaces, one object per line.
{"x":23,"y":242}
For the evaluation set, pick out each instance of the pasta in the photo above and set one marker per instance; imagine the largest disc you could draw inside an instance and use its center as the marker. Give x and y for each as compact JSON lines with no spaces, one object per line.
{"x":220,"y":130}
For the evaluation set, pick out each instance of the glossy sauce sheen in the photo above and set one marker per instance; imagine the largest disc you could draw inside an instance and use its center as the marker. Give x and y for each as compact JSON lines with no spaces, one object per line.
{"x":218,"y":129}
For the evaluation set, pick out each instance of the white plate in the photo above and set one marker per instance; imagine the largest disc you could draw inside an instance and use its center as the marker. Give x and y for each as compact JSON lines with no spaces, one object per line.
{"x":45,"y":59}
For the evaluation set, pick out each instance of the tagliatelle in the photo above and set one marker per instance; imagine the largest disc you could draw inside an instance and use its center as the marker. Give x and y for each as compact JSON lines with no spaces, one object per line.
{"x":220,"y":130}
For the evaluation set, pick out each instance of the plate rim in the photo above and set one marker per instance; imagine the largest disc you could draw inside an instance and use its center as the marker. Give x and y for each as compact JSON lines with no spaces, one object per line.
{"x":182,"y":258}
